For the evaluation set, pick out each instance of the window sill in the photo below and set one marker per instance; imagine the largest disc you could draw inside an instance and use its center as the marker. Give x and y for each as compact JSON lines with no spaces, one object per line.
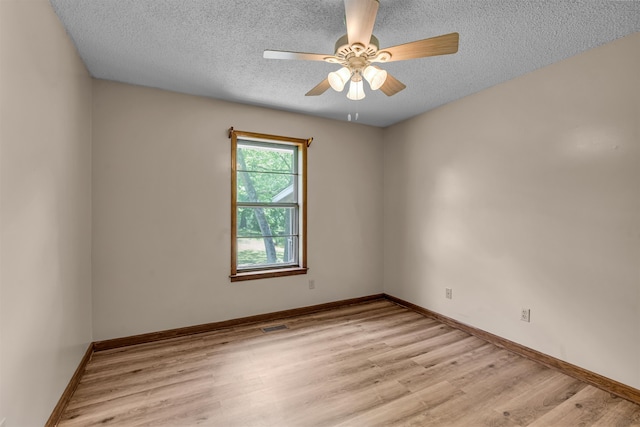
{"x":266,"y":274}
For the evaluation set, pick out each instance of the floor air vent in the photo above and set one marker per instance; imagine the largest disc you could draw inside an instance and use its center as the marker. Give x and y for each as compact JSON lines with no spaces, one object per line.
{"x":274,"y":328}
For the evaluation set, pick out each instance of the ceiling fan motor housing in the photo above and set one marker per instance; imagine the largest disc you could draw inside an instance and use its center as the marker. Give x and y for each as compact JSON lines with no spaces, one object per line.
{"x":343,"y":48}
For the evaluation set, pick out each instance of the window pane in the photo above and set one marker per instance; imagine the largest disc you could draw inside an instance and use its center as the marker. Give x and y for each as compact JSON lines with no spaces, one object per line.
{"x":264,"y":157}
{"x":268,"y":238}
{"x":266,"y":187}
{"x":266,"y":222}
{"x":259,"y":252}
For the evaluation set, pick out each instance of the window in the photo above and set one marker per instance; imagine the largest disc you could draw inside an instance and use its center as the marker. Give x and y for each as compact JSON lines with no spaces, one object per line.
{"x":268,"y":205}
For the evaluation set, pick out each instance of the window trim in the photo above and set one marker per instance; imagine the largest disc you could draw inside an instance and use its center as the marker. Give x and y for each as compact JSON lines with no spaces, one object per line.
{"x":269,"y":272}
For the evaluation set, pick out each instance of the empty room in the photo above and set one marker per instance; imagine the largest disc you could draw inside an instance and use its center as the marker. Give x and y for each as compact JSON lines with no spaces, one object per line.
{"x":319,"y":213}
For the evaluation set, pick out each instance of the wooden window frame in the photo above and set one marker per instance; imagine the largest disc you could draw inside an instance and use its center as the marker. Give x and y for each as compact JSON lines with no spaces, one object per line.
{"x":268,"y":272}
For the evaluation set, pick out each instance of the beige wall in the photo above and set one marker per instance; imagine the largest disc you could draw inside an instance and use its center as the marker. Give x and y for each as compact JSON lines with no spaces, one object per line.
{"x":45,"y":162}
{"x":161,"y":220}
{"x":528,"y":195}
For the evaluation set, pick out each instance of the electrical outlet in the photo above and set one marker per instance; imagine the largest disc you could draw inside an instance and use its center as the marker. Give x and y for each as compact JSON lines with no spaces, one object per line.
{"x":449,"y":293}
{"x":525,"y":315}
{"x":312,"y":284}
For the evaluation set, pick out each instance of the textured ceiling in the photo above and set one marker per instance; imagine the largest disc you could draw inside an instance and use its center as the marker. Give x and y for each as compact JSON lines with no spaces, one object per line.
{"x":214,"y":48}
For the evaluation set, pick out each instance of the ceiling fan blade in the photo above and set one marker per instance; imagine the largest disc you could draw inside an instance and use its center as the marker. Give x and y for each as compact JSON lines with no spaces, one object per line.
{"x":392,"y":85}
{"x":319,"y":89}
{"x":360,"y":17}
{"x":441,"y":45}
{"x":281,"y":54}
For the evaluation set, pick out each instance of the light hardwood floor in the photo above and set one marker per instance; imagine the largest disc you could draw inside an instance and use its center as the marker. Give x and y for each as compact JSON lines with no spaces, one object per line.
{"x":372,"y":364}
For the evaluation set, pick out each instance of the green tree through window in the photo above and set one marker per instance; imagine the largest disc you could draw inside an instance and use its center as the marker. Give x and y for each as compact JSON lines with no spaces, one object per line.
{"x":268,"y":206}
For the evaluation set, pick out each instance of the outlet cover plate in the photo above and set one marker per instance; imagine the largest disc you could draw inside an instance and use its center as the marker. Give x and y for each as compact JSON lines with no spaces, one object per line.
{"x":525,"y":315}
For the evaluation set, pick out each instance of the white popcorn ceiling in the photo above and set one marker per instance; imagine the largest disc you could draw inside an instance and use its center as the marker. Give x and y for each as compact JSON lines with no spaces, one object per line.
{"x":213,"y":48}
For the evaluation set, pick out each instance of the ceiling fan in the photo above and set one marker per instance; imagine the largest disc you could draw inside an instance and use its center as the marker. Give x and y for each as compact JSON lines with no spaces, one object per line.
{"x":358,"y":51}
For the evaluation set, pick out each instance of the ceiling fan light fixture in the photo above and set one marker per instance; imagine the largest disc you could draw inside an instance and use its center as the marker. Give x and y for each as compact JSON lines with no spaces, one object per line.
{"x":338,"y":79}
{"x":356,"y":90}
{"x":375,"y":76}
{"x":357,"y":50}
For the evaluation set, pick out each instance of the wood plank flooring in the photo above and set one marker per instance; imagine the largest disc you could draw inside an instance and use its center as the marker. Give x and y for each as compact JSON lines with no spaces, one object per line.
{"x":372,"y":364}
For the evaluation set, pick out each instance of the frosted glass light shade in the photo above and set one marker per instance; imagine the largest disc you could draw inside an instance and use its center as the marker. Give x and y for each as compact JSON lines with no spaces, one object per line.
{"x":356,"y":90}
{"x":337,"y":79}
{"x":375,"y":76}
